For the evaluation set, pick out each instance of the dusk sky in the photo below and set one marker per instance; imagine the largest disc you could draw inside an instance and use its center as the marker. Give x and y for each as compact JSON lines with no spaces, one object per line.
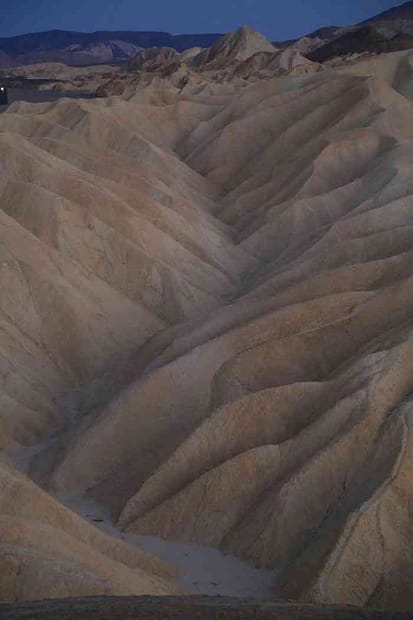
{"x":278,"y":19}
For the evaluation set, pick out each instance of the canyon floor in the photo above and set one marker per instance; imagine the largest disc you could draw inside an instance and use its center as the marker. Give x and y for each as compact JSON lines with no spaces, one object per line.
{"x":206,"y":319}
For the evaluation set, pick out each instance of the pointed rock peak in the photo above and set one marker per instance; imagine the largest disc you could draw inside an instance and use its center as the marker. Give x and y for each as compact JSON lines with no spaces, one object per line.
{"x":247,"y":30}
{"x":235,"y":47}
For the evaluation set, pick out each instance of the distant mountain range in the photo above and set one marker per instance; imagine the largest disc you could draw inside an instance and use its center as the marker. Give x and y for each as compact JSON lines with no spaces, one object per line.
{"x":402,"y":14}
{"x":80,"y":49}
{"x":388,"y":31}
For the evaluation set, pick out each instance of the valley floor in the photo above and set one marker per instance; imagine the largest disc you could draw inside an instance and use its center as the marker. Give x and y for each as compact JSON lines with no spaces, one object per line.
{"x":199,"y":570}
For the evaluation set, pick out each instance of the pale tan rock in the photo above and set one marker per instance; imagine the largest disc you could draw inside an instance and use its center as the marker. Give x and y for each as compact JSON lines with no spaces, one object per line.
{"x":233,"y":47}
{"x":47,"y":551}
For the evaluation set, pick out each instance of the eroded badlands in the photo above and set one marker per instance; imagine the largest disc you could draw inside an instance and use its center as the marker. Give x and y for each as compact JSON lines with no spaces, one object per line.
{"x":207,"y":327}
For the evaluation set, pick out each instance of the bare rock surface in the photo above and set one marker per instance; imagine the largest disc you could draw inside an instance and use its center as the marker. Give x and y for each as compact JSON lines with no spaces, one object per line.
{"x":233,"y":47}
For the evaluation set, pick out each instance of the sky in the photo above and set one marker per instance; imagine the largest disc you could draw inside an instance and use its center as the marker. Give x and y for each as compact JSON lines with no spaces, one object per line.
{"x":277,"y":19}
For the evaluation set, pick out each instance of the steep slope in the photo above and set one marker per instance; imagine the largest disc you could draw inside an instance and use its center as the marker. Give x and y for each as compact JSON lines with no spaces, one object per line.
{"x":48,"y":551}
{"x":114,"y":219}
{"x":100,"y":250}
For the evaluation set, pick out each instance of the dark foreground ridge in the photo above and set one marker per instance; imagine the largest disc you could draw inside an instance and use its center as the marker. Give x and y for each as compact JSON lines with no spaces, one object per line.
{"x":185,"y":608}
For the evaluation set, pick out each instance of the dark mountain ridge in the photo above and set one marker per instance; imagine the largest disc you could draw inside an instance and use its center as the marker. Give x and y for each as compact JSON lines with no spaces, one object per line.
{"x":362,"y":39}
{"x":325,"y":33}
{"x":81,"y":48}
{"x":387,"y":31}
{"x":402,"y":11}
